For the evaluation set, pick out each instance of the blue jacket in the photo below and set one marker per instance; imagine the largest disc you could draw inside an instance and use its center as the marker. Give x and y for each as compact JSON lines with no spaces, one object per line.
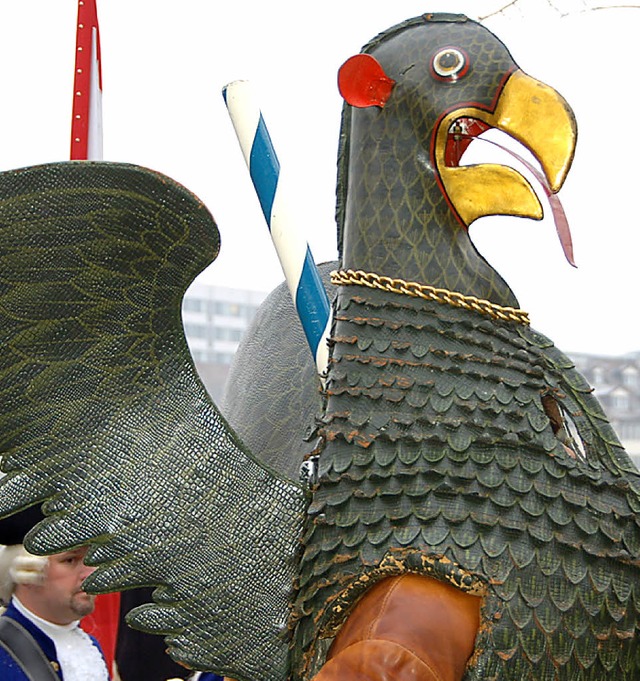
{"x":9,"y":668}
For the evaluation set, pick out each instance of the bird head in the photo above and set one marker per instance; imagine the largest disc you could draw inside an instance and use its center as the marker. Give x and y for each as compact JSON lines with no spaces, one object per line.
{"x":423,"y":91}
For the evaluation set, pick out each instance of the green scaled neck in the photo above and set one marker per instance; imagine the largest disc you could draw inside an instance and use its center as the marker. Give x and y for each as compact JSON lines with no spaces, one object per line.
{"x":393,"y":218}
{"x":397,"y":222}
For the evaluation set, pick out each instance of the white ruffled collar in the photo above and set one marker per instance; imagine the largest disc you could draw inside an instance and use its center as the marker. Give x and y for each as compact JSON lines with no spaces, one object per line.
{"x":79,"y":658}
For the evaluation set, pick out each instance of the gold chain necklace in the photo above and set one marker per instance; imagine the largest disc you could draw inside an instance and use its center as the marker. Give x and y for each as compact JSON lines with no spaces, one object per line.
{"x":438,"y":295}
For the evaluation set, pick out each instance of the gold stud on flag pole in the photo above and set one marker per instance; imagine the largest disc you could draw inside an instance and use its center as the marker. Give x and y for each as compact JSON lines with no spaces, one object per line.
{"x":86,"y":123}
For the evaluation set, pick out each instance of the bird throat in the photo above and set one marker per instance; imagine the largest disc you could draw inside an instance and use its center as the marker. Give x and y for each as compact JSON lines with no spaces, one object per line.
{"x":397,"y":221}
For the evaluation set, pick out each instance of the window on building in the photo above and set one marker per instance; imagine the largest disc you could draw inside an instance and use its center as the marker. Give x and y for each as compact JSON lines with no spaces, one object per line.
{"x":630,"y":377}
{"x":222,"y":357}
{"x":227,"y":309}
{"x":628,"y":430}
{"x":249,"y":311}
{"x":620,"y":400}
{"x":195,"y":330}
{"x":227,"y":334}
{"x":192,"y":305}
{"x":199,"y":355}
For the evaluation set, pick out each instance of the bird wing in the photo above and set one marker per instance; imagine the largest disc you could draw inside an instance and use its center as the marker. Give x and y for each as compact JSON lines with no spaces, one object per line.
{"x":271,"y":399}
{"x":104,"y":417}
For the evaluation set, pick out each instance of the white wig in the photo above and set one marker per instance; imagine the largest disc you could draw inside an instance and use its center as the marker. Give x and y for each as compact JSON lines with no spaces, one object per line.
{"x":18,"y":566}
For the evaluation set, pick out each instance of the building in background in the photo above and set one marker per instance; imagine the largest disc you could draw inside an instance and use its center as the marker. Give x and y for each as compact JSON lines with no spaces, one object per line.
{"x":616,"y":383}
{"x":215,"y":319}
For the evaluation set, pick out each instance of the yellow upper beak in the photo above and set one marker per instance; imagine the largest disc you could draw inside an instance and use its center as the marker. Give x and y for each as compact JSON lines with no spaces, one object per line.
{"x":532,"y":113}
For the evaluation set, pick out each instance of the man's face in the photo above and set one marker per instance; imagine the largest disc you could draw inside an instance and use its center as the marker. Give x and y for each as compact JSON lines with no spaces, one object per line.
{"x":60,"y":598}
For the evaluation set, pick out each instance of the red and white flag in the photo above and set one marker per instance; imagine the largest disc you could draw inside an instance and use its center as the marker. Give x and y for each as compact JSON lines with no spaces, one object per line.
{"x":86,"y":124}
{"x":86,"y":145}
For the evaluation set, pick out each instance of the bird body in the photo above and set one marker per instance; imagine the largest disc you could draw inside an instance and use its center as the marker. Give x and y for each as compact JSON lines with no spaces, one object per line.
{"x":440,"y":459}
{"x":440,"y":446}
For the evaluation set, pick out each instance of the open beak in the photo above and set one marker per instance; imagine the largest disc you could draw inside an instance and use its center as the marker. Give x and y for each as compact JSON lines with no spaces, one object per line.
{"x":528,"y":111}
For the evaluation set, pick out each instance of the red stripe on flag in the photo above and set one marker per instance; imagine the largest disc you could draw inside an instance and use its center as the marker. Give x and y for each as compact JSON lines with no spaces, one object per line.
{"x":87,"y":21}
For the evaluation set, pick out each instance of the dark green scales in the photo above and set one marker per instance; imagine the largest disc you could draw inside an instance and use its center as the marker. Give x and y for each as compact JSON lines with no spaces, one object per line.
{"x":441,"y":459}
{"x":450,"y":443}
{"x":439,"y":453}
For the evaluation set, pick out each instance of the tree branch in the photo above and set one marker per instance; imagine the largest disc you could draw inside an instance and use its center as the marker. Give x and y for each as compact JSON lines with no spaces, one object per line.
{"x":498,"y":11}
{"x":553,"y":6}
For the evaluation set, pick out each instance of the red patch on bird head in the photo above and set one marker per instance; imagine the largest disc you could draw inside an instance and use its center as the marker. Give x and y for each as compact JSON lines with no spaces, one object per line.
{"x":362,"y":82}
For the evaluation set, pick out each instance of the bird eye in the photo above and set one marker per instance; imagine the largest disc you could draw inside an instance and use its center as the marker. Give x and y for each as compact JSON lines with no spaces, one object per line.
{"x":450,"y":64}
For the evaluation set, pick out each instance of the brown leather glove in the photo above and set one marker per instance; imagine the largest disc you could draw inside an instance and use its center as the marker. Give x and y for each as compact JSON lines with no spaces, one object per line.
{"x":411,"y":627}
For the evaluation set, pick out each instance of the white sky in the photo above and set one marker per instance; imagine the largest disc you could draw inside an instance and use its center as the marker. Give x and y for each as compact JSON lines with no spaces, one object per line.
{"x":166,"y":61}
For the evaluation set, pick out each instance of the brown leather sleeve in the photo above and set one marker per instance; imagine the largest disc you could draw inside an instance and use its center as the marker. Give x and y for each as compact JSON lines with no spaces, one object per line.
{"x":410,"y":627}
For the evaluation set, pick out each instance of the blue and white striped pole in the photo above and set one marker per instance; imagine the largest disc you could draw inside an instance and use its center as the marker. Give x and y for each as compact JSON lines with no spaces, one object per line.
{"x":300,"y":271}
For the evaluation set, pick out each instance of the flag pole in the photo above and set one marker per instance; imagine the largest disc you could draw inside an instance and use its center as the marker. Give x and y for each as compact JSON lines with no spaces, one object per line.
{"x":301,"y":273}
{"x":86,"y":144}
{"x":86,"y":122}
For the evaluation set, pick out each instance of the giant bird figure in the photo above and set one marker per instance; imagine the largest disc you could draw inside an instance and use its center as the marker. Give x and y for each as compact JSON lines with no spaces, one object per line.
{"x":472,"y":516}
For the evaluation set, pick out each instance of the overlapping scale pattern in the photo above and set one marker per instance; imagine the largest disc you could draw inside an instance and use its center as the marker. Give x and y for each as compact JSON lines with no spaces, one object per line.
{"x":104,"y":417}
{"x":440,"y":457}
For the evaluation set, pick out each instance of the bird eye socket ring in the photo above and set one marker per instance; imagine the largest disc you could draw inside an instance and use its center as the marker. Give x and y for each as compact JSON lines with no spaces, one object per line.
{"x":449,"y":64}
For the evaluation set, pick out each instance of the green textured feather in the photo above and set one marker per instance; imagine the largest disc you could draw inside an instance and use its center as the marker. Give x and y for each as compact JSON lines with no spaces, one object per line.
{"x":105,"y":418}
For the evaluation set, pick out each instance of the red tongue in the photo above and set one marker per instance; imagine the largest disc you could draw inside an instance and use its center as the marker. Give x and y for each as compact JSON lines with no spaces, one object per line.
{"x":562,"y":225}
{"x":559,"y":216}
